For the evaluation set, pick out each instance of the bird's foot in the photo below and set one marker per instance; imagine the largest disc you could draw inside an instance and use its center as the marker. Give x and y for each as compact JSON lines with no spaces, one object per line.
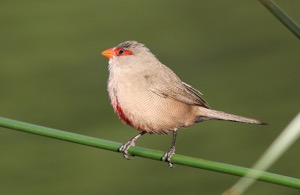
{"x":168,"y":155}
{"x":124,"y":149}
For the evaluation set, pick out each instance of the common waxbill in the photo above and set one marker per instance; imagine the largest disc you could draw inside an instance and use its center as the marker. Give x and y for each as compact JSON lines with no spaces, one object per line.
{"x":150,"y":97}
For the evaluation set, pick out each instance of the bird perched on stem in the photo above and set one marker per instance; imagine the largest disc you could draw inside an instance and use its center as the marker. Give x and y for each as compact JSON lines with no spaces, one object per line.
{"x":150,"y":97}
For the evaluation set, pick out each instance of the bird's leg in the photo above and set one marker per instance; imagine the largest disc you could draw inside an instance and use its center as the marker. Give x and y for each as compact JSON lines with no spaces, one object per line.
{"x":168,"y":155}
{"x":124,"y":147}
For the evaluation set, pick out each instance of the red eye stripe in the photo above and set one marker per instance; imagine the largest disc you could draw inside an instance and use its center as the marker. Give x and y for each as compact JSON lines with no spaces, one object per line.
{"x":122,"y":52}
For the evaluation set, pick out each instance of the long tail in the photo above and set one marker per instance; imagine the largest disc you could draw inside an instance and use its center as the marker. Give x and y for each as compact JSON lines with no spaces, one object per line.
{"x":208,"y":114}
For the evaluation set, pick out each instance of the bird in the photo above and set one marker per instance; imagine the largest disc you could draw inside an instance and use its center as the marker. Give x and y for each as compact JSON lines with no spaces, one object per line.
{"x":150,"y":97}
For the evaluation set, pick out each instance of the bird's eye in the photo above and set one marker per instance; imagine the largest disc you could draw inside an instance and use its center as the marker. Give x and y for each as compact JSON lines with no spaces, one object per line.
{"x":122,"y":52}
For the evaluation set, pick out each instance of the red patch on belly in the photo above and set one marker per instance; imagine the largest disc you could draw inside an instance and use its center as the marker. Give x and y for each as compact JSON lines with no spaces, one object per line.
{"x":122,"y":115}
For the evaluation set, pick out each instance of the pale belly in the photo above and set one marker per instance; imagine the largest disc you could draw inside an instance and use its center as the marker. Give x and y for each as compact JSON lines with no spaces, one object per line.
{"x":147,"y":111}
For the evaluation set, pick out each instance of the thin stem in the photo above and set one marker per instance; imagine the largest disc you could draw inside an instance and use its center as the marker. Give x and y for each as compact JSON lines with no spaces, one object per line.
{"x":282,"y":16}
{"x":281,"y":144}
{"x":146,"y":153}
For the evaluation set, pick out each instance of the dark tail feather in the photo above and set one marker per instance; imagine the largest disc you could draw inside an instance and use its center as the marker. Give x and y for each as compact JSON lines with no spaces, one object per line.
{"x":208,"y":114}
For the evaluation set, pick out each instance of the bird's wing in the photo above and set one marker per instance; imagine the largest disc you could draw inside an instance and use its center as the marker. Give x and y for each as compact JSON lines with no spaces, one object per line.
{"x":197,"y":94}
{"x":170,"y":86}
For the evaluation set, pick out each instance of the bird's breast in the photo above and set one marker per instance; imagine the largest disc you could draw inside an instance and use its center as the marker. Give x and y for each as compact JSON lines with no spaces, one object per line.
{"x":138,"y":106}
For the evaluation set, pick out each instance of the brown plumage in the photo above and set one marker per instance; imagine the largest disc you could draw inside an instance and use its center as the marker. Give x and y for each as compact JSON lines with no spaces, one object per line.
{"x":150,"y":97}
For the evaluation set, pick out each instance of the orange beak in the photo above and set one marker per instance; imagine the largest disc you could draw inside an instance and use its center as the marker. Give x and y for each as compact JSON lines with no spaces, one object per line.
{"x":108,"y":53}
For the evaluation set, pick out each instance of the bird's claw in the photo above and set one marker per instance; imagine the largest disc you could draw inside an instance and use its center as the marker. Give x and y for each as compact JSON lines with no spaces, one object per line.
{"x":168,"y":155}
{"x":124,"y":149}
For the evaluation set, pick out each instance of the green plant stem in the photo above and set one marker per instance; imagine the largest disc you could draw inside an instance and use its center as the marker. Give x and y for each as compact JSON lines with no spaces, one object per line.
{"x":282,"y":16}
{"x":146,"y":153}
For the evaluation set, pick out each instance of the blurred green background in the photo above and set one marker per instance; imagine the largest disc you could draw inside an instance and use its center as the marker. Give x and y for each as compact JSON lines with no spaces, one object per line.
{"x":236,"y":53}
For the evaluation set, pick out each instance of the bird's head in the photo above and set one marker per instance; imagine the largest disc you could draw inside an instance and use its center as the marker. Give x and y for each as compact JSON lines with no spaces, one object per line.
{"x":130,"y":55}
{"x":131,"y":49}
